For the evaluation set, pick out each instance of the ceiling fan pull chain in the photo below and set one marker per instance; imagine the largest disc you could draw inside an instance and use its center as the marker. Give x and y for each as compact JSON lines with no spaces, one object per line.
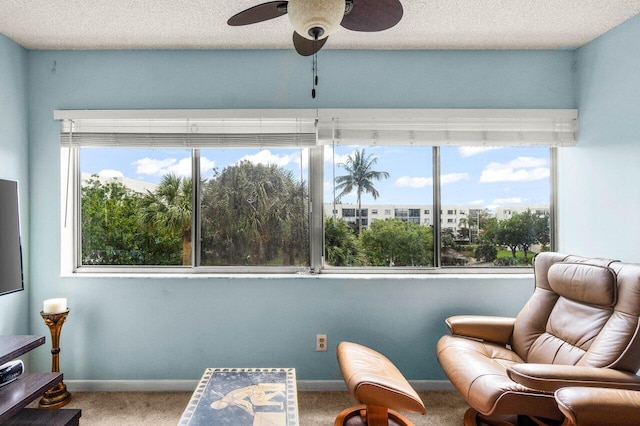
{"x":313,"y":76}
{"x":315,"y":68}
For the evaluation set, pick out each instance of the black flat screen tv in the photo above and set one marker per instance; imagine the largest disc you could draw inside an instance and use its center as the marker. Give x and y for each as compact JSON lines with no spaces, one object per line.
{"x":11,"y":278}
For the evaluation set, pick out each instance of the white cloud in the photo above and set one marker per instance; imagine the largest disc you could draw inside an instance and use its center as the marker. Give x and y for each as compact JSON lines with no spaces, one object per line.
{"x":453,"y":177}
{"x":149,"y":166}
{"x":413,"y":182}
{"x":110,"y":173}
{"x":521,"y":169}
{"x":527,"y":162}
{"x":469,"y":151}
{"x":266,"y":157}
{"x":206,"y":165}
{"x":181,"y":168}
{"x":338,"y":159}
{"x":154,"y":167}
{"x":421,"y":182}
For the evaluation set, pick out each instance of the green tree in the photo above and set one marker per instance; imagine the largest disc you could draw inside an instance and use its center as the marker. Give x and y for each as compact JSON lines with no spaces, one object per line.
{"x":487,"y":250}
{"x":167,"y":210}
{"x":464,"y":232}
{"x":111,"y":232}
{"x":360,"y":176}
{"x":254,"y":214}
{"x":509,"y":233}
{"x":517,"y":231}
{"x":392,"y":242}
{"x":528,"y":223}
{"x":341,"y":245}
{"x":542,"y":230}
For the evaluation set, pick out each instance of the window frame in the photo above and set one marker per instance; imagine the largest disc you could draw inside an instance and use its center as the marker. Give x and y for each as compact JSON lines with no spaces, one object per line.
{"x":71,"y":212}
{"x":74,"y":200}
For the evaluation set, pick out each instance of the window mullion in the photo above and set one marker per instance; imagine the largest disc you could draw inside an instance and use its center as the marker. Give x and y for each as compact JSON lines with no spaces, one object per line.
{"x":553,"y":202}
{"x":437,"y":226}
{"x":76,"y":192}
{"x":195,"y":208}
{"x":316,"y":215}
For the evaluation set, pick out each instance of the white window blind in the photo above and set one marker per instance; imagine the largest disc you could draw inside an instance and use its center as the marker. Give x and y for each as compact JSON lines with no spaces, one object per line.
{"x":308,"y":127}
{"x":429,"y":127}
{"x":189,"y":129}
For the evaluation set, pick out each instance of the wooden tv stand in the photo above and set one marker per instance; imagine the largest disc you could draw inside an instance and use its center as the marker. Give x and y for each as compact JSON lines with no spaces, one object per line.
{"x":28,"y":387}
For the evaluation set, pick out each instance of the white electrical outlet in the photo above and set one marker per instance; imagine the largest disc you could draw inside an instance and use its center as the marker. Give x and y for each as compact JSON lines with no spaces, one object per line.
{"x":321,"y":342}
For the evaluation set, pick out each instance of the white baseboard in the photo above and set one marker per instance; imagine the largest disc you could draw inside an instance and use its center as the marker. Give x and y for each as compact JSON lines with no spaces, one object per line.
{"x":131,"y":385}
{"x":190,"y":385}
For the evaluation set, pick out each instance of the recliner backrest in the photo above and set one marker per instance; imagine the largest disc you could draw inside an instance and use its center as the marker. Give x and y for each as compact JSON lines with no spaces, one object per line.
{"x":583,"y":312}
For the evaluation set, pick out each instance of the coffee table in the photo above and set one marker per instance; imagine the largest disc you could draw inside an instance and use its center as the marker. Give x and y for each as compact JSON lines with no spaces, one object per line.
{"x":244,"y":396}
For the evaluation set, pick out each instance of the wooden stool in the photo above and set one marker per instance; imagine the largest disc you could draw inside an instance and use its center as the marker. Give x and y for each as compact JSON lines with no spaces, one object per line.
{"x":378,"y":386}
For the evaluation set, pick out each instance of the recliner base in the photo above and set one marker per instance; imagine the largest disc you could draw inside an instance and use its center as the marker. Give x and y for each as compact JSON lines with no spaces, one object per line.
{"x":359,"y":415}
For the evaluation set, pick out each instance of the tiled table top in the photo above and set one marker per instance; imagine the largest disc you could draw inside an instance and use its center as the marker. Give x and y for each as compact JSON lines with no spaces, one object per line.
{"x":244,"y":396}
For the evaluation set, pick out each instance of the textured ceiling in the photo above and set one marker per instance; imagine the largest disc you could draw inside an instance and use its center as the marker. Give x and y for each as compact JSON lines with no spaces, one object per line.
{"x":201,"y":24}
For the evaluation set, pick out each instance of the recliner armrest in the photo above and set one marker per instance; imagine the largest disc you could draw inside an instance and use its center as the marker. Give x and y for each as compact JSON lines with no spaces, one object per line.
{"x":550,"y":377}
{"x":597,"y":406}
{"x":491,"y":329}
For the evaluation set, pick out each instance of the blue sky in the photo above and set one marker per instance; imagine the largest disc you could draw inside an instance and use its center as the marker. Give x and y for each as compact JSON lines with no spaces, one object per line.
{"x":484,"y":177}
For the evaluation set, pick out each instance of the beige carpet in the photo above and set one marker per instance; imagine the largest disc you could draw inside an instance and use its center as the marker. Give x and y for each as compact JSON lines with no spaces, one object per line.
{"x":314,"y":408}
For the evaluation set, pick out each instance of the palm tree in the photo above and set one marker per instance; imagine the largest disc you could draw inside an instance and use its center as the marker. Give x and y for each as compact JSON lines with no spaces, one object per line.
{"x":255,"y":214}
{"x":360,"y":176}
{"x":168,"y":210}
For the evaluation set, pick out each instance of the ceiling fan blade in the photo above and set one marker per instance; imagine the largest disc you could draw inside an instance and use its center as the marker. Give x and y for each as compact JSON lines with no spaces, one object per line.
{"x":259,"y":13}
{"x":306,"y":47}
{"x":373,"y":15}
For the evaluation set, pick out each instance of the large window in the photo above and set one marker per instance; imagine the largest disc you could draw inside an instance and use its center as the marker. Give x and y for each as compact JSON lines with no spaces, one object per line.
{"x":292,"y":196}
{"x":496,"y":205}
{"x":394,"y":179}
{"x":494,"y":209}
{"x":254,"y":207}
{"x":137,"y":207}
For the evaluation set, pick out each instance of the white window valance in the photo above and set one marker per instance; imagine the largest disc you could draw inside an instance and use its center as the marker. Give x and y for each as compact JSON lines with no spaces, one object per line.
{"x":435,"y":127}
{"x":308,"y":127}
{"x":188,"y":128}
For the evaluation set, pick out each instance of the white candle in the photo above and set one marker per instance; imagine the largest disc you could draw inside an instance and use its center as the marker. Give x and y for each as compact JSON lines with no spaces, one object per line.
{"x":54,"y":306}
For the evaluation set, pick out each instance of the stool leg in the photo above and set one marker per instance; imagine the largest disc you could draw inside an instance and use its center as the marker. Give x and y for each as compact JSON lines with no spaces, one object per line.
{"x":393,"y":417}
{"x":377,"y":416}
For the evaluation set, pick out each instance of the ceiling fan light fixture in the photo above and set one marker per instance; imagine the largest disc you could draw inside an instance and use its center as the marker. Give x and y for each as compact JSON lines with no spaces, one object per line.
{"x":315,"y":17}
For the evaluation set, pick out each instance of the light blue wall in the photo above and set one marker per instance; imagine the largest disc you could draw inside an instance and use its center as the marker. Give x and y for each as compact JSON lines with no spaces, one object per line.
{"x":14,"y":159}
{"x":138,"y":328}
{"x":600,"y":177}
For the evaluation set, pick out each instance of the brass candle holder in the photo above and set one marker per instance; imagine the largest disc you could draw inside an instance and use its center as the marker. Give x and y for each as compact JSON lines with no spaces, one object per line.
{"x":58,"y":395}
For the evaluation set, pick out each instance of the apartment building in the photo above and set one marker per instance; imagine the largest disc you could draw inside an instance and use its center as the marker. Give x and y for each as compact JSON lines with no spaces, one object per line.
{"x":452,"y":217}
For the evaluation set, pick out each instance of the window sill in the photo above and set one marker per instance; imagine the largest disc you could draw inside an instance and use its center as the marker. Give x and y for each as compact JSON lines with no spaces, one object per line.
{"x":456,"y":273}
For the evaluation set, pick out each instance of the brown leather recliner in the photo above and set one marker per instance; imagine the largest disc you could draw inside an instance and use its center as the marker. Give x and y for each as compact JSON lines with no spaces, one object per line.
{"x":579,"y":328}
{"x":583,"y":406}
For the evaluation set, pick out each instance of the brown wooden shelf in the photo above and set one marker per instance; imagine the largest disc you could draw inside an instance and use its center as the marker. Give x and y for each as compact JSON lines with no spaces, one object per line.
{"x":22,"y":391}
{"x":11,"y":347}
{"x":42,"y":416}
{"x":28,"y":387}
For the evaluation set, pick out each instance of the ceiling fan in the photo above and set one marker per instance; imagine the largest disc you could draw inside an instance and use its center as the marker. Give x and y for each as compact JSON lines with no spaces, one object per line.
{"x":314,"y":20}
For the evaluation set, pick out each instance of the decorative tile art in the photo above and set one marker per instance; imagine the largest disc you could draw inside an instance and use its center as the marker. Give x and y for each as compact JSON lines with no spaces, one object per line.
{"x":244,"y":397}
